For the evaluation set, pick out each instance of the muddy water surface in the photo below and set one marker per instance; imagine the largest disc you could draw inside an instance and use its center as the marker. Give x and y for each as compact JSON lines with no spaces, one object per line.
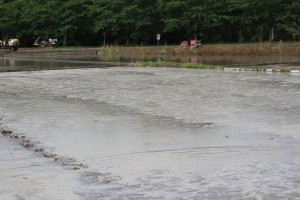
{"x":17,"y":62}
{"x":150,"y":133}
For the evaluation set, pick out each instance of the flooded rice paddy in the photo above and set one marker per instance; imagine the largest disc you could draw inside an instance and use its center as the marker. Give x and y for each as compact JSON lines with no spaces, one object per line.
{"x":148,"y":133}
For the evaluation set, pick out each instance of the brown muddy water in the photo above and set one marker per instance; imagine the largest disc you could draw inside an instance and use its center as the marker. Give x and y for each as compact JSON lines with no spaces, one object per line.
{"x":56,"y":60}
{"x":147,"y":133}
{"x":205,"y":59}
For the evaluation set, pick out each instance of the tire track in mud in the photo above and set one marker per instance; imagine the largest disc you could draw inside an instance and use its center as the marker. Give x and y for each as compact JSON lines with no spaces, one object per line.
{"x":89,"y":177}
{"x":69,"y":163}
{"x":188,"y":152}
{"x":98,"y":185}
{"x":86,"y":176}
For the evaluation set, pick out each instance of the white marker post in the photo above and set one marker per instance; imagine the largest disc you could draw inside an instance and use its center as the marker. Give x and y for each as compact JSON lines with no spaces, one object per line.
{"x":158,"y":38}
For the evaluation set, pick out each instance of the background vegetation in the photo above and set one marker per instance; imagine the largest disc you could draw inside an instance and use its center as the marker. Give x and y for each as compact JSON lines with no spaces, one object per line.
{"x":136,"y":22}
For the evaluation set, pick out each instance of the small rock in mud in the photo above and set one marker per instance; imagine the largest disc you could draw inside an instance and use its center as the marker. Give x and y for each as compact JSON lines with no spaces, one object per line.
{"x":39,"y":150}
{"x":66,"y":161}
{"x":49,"y":155}
{"x":27,"y":145}
{"x":6,"y":132}
{"x":99,"y":178}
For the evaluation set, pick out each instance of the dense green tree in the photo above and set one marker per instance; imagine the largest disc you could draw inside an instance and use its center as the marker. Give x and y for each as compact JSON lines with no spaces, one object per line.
{"x":83,"y":22}
{"x":10,"y":13}
{"x":71,"y":20}
{"x":289,"y":20}
{"x":124,"y":20}
{"x":38,"y":18}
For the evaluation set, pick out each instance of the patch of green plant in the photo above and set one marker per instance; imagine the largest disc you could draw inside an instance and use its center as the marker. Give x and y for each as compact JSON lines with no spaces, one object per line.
{"x":180,"y":65}
{"x":159,"y":64}
{"x":287,"y":69}
{"x":199,"y":66}
{"x":206,"y":66}
{"x":110,"y":50}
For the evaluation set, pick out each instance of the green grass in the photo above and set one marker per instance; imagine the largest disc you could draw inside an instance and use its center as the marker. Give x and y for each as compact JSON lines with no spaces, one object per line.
{"x":179,"y":65}
{"x":218,"y":67}
{"x":268,"y":48}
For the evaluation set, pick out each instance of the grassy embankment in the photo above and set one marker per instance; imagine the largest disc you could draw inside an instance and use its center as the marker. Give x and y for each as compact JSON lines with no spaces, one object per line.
{"x":276,"y":68}
{"x":255,"y":49}
{"x":259,"y":49}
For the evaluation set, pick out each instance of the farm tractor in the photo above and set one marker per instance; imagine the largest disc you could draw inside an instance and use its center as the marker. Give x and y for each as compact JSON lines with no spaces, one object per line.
{"x":41,"y":42}
{"x":190,"y":44}
{"x":12,"y":44}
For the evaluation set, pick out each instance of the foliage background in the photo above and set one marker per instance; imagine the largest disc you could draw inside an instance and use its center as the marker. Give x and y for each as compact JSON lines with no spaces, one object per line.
{"x":136,"y":22}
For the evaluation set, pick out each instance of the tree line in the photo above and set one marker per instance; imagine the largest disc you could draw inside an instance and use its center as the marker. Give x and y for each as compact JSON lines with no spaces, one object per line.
{"x":137,"y":22}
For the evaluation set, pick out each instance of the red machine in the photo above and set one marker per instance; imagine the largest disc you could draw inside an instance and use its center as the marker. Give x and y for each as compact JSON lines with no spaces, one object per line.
{"x":190,"y":44}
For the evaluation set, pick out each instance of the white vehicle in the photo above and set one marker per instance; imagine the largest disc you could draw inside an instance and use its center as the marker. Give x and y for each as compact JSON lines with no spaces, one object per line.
{"x":44,"y":43}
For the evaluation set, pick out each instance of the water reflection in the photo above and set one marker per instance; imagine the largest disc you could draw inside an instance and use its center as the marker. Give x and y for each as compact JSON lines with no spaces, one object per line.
{"x":91,"y":61}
